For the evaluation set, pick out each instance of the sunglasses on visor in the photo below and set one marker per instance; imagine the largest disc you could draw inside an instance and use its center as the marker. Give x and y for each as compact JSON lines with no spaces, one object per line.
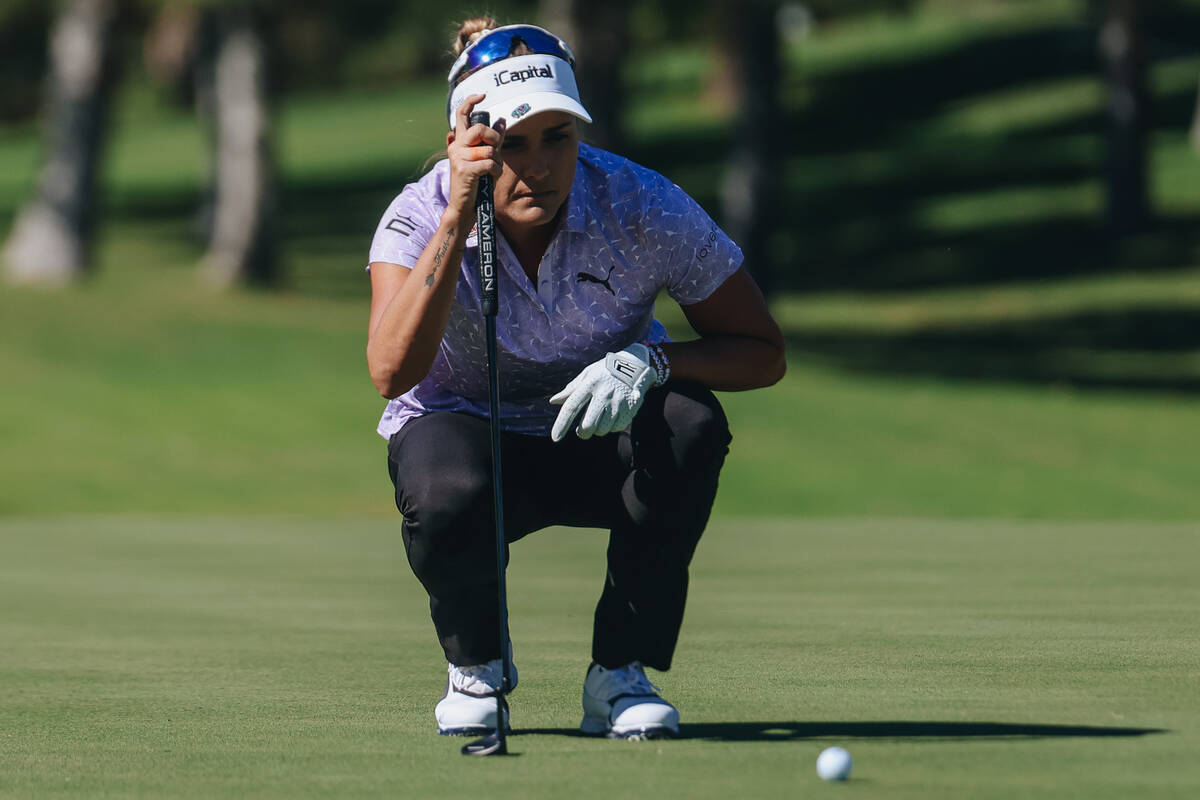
{"x":501,"y":43}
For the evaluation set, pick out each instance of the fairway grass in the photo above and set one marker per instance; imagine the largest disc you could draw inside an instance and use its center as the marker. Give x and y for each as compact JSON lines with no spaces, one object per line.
{"x":273,"y":657}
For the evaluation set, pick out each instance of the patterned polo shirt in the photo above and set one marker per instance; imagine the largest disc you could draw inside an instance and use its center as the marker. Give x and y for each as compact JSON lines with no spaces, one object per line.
{"x":627,"y":233}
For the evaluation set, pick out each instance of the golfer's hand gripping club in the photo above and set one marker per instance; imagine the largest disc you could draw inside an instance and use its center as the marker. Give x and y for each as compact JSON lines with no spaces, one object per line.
{"x":485,"y":228}
{"x":609,"y":392}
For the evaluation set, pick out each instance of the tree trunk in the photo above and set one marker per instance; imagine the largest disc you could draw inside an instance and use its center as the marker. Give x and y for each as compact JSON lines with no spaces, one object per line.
{"x":598,"y":33}
{"x":242,"y":243}
{"x":751,"y":41}
{"x":1121,"y":51}
{"x":51,"y":238}
{"x":1196,"y":125}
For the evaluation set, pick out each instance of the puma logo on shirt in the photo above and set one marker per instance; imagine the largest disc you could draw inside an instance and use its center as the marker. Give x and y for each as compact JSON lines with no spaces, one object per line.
{"x":583,"y":276}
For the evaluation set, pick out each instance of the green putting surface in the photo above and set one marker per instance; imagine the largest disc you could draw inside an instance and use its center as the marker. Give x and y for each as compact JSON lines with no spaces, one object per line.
{"x":273,"y":657}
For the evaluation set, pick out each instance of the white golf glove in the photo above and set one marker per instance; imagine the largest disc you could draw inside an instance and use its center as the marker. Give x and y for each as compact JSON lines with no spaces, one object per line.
{"x":612,"y":389}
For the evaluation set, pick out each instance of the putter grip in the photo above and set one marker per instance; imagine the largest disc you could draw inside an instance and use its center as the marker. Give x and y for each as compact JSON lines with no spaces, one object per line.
{"x":485,"y":228}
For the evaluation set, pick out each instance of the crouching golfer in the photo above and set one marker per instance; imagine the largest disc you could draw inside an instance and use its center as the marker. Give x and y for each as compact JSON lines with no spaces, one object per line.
{"x":606,"y":422}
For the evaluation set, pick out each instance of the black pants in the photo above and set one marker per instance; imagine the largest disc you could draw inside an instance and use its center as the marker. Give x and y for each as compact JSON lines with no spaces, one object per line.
{"x":652,"y":487}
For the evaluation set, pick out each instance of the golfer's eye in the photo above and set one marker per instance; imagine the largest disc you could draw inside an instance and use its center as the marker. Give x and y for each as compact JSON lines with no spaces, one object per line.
{"x":556,"y":134}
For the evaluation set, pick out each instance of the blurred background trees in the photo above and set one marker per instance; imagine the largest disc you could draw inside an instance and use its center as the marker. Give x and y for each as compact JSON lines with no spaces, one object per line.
{"x":50,"y":241}
{"x":1122,"y":52}
{"x":219,"y":46}
{"x":599,"y":36}
{"x":769,"y":113}
{"x":232,"y":91}
{"x":1196,"y":123}
{"x":751,"y":62}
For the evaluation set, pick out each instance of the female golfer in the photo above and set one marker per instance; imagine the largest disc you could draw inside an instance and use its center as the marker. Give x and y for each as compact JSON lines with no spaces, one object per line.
{"x":606,"y":422}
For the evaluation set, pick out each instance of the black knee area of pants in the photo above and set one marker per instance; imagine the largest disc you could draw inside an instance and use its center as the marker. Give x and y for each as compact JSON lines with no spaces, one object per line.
{"x":679,"y":441}
{"x":449,"y":504}
{"x":443,"y":481}
{"x":698,"y":427}
{"x":443,"y":489}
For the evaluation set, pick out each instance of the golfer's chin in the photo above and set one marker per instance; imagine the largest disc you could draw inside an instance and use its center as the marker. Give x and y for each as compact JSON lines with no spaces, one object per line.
{"x":531,"y":210}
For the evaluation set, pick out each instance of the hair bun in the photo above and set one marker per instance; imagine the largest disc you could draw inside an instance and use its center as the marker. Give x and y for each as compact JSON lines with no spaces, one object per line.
{"x":471,"y":30}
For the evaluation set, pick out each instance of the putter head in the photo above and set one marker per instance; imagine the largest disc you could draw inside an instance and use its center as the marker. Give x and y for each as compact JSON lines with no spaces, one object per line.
{"x":494,"y":744}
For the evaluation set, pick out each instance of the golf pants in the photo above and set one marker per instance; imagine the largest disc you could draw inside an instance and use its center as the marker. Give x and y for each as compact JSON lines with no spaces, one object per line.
{"x":652,"y":487}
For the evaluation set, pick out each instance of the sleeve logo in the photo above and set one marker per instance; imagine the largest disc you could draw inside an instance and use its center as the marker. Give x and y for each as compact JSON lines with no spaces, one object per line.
{"x":707,"y":247}
{"x":402,"y":225}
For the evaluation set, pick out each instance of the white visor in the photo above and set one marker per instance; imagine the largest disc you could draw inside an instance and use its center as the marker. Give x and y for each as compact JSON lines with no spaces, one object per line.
{"x":519,"y":87}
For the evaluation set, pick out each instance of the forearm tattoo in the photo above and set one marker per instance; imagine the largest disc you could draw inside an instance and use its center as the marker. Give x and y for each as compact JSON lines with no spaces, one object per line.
{"x":439,"y":255}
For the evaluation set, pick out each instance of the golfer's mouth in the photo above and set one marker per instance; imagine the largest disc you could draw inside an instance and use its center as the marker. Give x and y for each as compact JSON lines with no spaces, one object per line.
{"x":546,"y":195}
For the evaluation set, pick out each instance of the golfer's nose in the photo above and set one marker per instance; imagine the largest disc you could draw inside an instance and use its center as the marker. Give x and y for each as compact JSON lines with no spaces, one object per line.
{"x":538,"y":169}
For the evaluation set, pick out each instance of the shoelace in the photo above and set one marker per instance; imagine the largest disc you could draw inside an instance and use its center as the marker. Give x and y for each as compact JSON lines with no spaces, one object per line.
{"x":479,"y":680}
{"x":631,"y":680}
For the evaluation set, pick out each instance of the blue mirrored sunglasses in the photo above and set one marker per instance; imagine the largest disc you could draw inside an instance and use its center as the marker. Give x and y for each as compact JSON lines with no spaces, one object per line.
{"x":501,"y":43}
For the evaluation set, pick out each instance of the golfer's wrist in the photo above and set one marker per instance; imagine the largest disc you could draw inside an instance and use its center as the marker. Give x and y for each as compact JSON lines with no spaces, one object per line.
{"x":456,"y":223}
{"x":660,"y":362}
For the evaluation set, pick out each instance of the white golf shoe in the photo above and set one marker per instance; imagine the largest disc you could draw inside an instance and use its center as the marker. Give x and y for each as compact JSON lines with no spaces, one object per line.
{"x":623,"y":703}
{"x":469,"y":707}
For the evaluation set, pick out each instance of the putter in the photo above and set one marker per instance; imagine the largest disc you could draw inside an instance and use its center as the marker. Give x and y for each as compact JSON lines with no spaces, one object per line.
{"x":495,"y":743}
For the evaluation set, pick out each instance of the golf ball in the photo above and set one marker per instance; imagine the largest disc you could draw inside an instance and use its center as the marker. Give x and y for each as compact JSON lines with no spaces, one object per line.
{"x":834,"y":764}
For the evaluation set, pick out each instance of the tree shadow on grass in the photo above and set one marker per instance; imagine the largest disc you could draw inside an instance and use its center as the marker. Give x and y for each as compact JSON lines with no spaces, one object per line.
{"x":1145,"y":348}
{"x":790,"y":731}
{"x":884,"y":729}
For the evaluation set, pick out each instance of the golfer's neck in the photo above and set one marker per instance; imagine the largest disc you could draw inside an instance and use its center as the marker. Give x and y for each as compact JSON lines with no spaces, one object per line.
{"x":529,"y":242}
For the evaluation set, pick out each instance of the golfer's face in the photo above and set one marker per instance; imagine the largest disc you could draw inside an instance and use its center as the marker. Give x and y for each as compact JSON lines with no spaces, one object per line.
{"x":539,"y":156}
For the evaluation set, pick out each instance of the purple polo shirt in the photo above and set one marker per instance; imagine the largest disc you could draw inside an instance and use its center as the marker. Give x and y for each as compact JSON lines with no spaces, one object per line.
{"x":627,"y":234}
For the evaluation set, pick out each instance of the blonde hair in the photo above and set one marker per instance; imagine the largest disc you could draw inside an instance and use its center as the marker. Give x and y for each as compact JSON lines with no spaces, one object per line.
{"x":471,"y":30}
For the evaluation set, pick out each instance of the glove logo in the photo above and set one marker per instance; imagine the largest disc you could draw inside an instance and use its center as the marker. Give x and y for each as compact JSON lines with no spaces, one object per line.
{"x":585,"y":277}
{"x":625,"y":368}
